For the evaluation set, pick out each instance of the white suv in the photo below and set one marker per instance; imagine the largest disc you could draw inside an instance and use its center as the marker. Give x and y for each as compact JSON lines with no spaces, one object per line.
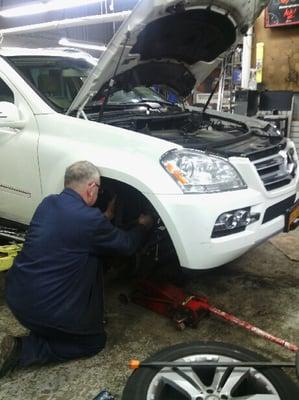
{"x":218,"y":184}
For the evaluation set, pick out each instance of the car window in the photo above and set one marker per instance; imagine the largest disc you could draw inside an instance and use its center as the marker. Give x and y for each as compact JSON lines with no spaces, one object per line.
{"x":5,"y":93}
{"x":58,"y":79}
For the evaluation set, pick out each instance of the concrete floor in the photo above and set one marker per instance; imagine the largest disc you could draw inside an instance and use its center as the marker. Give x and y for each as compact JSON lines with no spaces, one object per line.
{"x":261,"y":287}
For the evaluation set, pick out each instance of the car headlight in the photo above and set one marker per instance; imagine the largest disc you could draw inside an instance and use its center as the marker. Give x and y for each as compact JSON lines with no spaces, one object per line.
{"x":272,"y":130}
{"x":197,"y":172}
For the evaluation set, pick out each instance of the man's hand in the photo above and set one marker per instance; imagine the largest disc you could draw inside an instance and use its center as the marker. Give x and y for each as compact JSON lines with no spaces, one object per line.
{"x":109,"y":213}
{"x":146,"y":220}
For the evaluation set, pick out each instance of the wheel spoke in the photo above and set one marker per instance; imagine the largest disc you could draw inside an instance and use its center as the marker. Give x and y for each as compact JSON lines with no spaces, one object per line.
{"x":192,"y":377}
{"x":235,"y":378}
{"x":176,"y":380}
{"x":219,"y":373}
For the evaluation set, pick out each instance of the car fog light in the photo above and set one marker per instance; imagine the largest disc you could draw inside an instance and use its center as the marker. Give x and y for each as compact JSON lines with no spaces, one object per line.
{"x":234,"y":221}
{"x":227,"y":221}
{"x":242,"y":216}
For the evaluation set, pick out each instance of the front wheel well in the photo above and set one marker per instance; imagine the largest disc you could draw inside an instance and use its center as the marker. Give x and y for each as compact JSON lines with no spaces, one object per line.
{"x":129,"y":204}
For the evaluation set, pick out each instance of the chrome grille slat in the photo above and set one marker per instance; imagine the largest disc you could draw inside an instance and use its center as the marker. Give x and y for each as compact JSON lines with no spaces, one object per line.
{"x":283,"y":178}
{"x":275,"y":170}
{"x":276,"y":176}
{"x":268,"y":164}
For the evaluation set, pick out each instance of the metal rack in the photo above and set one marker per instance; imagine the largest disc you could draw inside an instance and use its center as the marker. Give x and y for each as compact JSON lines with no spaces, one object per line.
{"x":229,"y":83}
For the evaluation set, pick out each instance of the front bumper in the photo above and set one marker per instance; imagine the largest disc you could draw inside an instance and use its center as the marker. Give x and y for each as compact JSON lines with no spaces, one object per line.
{"x":190,"y":219}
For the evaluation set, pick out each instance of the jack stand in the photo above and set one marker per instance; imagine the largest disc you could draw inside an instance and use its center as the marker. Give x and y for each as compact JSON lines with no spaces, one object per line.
{"x":186,"y":309}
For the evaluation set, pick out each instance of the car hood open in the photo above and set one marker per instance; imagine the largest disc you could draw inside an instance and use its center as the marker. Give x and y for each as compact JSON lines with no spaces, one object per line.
{"x":172,"y":42}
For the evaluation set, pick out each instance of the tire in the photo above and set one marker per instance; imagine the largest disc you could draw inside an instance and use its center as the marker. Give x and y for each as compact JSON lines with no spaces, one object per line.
{"x":149,"y":383}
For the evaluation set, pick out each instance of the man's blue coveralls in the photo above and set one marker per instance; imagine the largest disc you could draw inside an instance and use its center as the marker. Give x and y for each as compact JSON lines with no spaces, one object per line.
{"x":55,"y":286}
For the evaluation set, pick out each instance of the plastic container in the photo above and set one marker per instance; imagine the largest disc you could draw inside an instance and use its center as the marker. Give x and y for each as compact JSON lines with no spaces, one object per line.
{"x":8,"y":254}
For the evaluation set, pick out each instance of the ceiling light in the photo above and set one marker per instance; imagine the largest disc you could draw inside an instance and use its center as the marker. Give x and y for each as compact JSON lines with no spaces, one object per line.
{"x":67,"y":23}
{"x":46,"y":6}
{"x":81,"y":45}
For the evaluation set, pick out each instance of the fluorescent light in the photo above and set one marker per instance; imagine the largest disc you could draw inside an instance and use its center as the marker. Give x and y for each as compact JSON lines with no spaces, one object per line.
{"x":46,"y":6}
{"x":81,"y":45}
{"x":67,"y":23}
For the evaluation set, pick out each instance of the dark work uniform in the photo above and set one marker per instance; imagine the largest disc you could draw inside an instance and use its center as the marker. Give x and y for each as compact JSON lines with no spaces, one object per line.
{"x":55,"y":286}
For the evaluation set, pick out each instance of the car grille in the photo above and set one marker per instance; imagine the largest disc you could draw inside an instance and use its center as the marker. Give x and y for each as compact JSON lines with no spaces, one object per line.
{"x":277,"y":170}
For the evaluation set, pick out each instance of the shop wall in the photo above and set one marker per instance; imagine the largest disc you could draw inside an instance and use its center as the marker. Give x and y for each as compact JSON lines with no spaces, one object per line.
{"x":281,"y":55}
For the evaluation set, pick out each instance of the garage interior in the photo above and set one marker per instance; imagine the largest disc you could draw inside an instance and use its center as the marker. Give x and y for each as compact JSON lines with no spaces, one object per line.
{"x":259,"y":79}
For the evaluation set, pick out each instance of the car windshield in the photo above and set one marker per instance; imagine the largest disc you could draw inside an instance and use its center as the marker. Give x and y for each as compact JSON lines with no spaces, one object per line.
{"x":136,"y":95}
{"x":59,"y":79}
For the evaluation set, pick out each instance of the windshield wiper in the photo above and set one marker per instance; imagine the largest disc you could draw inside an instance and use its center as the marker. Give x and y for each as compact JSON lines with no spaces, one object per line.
{"x":145,"y":100}
{"x":149,"y":104}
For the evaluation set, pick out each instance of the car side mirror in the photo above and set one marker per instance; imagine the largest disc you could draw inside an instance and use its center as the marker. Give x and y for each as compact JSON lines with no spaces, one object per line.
{"x":10,"y":116}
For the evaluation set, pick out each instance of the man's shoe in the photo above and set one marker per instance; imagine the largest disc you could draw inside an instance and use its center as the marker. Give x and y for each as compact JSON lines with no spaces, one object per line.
{"x":10,"y":350}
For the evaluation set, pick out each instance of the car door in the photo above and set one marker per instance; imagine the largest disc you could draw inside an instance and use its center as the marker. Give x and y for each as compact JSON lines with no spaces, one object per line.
{"x":20,"y":188}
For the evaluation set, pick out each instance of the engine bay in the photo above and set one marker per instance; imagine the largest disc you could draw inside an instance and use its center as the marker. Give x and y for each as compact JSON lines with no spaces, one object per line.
{"x":224,"y":136}
{"x":188,"y":129}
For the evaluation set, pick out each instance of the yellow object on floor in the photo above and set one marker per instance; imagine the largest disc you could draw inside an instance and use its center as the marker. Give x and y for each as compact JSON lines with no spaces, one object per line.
{"x":7,"y":255}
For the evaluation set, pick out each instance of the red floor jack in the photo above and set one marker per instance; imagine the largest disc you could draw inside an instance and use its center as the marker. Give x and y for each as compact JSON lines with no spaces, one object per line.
{"x":186,"y":310}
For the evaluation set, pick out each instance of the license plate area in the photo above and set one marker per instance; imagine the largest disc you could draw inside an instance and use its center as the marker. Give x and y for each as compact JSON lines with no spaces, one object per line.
{"x":292,"y":217}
